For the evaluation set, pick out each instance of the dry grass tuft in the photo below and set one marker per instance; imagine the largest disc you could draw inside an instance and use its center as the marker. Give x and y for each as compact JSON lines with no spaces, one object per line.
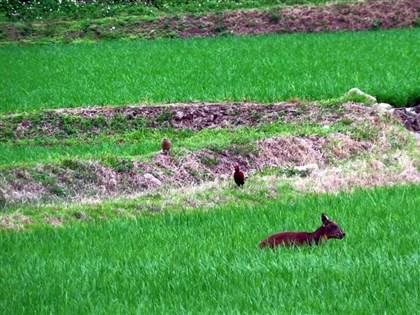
{"x":54,"y":221}
{"x":14,"y":221}
{"x":289,"y":151}
{"x":339,"y":146}
{"x":398,"y":168}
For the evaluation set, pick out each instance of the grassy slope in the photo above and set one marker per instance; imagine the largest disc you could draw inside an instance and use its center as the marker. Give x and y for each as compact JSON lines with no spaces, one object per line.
{"x":37,"y":11}
{"x":261,"y":68}
{"x":202,"y":262}
{"x":143,"y":143}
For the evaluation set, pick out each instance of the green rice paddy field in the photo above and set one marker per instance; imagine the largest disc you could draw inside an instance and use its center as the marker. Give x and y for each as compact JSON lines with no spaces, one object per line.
{"x":208,"y":262}
{"x":259,"y":68}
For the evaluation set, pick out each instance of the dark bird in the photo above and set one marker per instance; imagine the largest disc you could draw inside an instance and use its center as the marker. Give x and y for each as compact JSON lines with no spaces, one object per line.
{"x":238,"y":176}
{"x":166,"y":146}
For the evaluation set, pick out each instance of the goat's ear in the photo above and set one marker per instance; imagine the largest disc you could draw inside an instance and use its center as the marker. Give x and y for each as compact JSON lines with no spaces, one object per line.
{"x":325,"y":219}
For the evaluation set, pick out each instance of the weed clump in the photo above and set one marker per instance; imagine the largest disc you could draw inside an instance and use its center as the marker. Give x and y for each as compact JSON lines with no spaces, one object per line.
{"x":120,"y":165}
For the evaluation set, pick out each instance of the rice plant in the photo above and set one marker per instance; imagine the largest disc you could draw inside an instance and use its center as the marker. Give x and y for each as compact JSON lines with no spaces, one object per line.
{"x":208,"y":262}
{"x":260,"y":68}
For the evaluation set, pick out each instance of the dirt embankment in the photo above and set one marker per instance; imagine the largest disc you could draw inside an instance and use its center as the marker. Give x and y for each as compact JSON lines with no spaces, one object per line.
{"x":74,"y":180}
{"x":65,"y":123}
{"x":366,"y":15}
{"x":351,"y":16}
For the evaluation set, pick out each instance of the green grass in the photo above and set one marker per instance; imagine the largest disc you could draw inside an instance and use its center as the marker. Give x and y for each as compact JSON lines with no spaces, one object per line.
{"x":208,"y":262}
{"x":141,"y":144}
{"x":260,"y":68}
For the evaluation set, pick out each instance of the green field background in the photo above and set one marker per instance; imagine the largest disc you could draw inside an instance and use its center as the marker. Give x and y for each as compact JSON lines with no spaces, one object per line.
{"x":254,"y":68}
{"x":208,"y":262}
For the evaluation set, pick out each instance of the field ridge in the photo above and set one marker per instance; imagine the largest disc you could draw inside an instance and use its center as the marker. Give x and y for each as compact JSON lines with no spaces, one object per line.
{"x":308,"y":146}
{"x":366,"y":15}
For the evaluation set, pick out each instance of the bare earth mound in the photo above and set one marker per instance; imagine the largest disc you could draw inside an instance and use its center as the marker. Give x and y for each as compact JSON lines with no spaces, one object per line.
{"x":195,"y":116}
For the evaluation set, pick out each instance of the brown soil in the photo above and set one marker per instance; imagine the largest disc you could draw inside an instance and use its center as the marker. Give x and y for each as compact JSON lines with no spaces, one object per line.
{"x":351,"y":16}
{"x":202,"y":115}
{"x":410,"y":117}
{"x":194,"y":116}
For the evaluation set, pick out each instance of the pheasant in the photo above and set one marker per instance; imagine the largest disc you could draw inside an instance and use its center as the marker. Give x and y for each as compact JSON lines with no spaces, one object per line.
{"x":238,"y":176}
{"x":166,"y":146}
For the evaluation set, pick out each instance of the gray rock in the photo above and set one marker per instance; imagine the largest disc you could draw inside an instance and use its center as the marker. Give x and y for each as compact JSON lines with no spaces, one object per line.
{"x":413,"y":110}
{"x":150,"y":178}
{"x":416,"y":135}
{"x":356,"y":91}
{"x":306,"y":170}
{"x":179,"y":115}
{"x":384,"y":106}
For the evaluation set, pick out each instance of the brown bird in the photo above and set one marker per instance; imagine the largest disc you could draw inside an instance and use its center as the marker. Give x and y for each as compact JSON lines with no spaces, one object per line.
{"x":166,"y":146}
{"x":238,"y":176}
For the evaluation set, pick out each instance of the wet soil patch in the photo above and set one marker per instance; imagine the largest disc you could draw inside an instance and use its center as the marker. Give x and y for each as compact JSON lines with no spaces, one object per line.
{"x":410,"y":117}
